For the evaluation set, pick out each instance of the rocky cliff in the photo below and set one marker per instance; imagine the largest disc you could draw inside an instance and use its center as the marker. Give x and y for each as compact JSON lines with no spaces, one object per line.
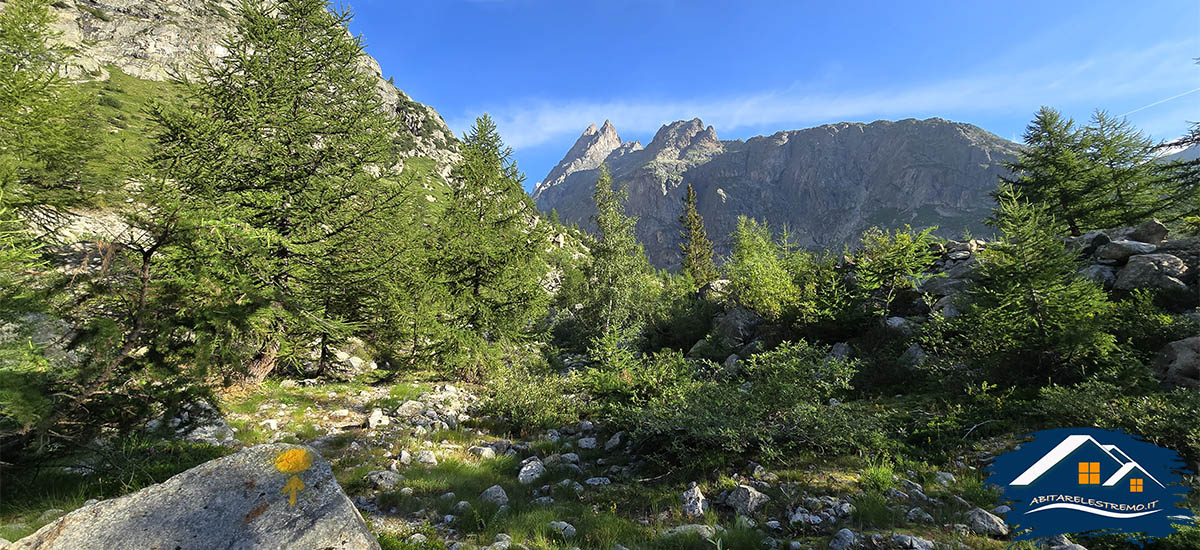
{"x":153,"y":39}
{"x":827,"y":183}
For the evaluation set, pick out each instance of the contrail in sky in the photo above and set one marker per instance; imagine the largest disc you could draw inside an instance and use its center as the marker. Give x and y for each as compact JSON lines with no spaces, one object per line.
{"x":1161,"y":101}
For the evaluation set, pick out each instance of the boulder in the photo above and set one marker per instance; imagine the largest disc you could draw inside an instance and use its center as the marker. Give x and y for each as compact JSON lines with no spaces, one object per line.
{"x":1178,"y":363}
{"x":1088,"y":243}
{"x":909,"y":542}
{"x":1152,"y":271}
{"x":531,"y":471}
{"x":268,"y":496}
{"x":1120,"y":250}
{"x":746,"y":499}
{"x":694,"y":503}
{"x":563,"y":528}
{"x":735,"y":327}
{"x":982,"y":522}
{"x":917,"y":515}
{"x":385,"y":480}
{"x":844,"y":539}
{"x":704,"y":531}
{"x":944,"y":286}
{"x":1103,"y":275}
{"x":494,"y":495}
{"x":1150,"y":231}
{"x":714,"y":290}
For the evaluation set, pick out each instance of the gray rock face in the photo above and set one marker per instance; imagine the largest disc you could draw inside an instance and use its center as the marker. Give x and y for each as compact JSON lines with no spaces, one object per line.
{"x":588,"y":153}
{"x":827,"y":184}
{"x":1178,"y":363}
{"x":746,"y":499}
{"x":149,"y":39}
{"x":982,"y":522}
{"x":239,"y":502}
{"x":1152,"y":271}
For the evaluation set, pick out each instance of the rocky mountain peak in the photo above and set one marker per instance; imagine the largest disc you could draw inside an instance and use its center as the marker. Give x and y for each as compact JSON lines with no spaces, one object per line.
{"x":673,"y":140}
{"x":589,"y":151}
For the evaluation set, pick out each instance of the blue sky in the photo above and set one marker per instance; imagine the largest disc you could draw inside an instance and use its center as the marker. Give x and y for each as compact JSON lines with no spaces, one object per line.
{"x":546,"y":69}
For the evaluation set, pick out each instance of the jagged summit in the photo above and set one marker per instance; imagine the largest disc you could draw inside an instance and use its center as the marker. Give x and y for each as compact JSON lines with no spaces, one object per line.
{"x":674,"y":139}
{"x":589,"y":151}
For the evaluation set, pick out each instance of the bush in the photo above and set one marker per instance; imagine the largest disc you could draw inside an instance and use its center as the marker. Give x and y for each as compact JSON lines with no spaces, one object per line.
{"x":533,"y":398}
{"x":679,"y":318}
{"x":758,"y":277}
{"x":1142,"y":328}
{"x":1166,"y":419}
{"x":889,"y":263}
{"x":775,"y":404}
{"x":110,"y":101}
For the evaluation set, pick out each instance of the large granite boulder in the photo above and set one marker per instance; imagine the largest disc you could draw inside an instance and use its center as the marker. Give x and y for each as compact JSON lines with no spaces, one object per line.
{"x":1152,"y":271}
{"x":1178,"y":363}
{"x":264,"y":497}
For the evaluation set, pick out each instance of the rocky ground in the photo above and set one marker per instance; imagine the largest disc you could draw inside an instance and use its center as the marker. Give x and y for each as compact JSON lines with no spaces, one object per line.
{"x":427,"y":470}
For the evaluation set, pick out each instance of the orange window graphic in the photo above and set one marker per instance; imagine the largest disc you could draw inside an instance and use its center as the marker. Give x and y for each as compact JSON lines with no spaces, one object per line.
{"x":1135,"y":485}
{"x":1089,"y":473}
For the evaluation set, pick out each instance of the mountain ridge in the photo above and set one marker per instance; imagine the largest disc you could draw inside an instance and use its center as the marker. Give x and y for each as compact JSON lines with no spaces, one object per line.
{"x":827,"y":183}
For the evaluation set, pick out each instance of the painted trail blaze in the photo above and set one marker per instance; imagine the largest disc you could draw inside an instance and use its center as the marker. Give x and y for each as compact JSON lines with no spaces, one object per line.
{"x":1079,"y":480}
{"x":293,"y":461}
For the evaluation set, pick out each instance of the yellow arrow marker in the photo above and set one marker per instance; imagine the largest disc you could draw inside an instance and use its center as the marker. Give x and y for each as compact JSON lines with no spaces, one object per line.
{"x":293,"y":461}
{"x":294,"y":485}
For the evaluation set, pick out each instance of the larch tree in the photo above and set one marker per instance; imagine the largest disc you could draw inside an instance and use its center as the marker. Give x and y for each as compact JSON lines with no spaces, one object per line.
{"x":491,"y":252}
{"x":287,"y":150}
{"x":697,"y":249}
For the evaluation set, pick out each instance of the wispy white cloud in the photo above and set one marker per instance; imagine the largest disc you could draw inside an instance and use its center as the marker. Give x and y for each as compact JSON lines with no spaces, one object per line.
{"x":1118,"y":81}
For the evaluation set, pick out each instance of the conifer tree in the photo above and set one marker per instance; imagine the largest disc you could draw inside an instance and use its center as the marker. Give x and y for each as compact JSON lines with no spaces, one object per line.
{"x":1129,"y":186}
{"x":287,"y":150}
{"x":491,"y":248}
{"x":1051,"y":169}
{"x":697,"y":249}
{"x":48,"y":136}
{"x":618,"y":271}
{"x":1032,"y":317}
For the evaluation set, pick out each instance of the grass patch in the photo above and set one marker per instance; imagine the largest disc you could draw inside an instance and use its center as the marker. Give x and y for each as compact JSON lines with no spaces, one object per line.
{"x":125,"y":466}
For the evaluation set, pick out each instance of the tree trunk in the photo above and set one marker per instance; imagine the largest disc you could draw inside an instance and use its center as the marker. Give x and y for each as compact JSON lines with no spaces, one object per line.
{"x":263,"y":364}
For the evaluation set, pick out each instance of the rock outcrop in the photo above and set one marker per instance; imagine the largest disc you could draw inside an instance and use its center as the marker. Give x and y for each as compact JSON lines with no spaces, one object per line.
{"x":827,"y":184}
{"x":154,"y":39}
{"x":269,"y":496}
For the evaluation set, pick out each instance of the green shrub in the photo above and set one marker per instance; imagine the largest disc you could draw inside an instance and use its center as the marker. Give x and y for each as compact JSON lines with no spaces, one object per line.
{"x":678,"y":319}
{"x":872,"y":510}
{"x":533,"y":398}
{"x":758,"y":276}
{"x":1142,"y":328}
{"x":889,"y":263}
{"x":110,"y":101}
{"x":774,"y":405}
{"x":1168,"y":419}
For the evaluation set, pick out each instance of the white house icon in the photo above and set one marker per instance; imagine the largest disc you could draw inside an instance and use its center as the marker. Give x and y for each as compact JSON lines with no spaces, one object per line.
{"x":1070,"y":445}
